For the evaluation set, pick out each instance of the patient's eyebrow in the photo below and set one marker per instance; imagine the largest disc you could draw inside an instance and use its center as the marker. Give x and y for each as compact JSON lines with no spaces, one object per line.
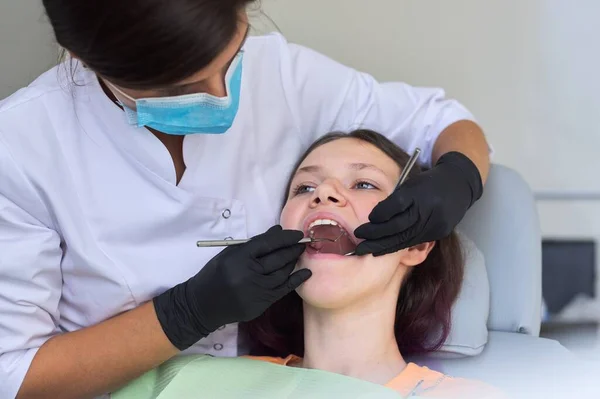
{"x":354,"y":166}
{"x":309,"y":169}
{"x":361,"y":166}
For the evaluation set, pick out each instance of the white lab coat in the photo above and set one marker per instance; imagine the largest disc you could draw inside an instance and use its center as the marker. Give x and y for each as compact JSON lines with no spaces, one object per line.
{"x":92,"y":222}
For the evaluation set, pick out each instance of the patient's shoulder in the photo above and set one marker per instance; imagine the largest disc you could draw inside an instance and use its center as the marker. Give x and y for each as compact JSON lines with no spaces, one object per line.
{"x":424,"y":382}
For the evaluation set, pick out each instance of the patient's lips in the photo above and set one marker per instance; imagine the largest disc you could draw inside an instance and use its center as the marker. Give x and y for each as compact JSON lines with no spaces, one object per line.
{"x":336,"y":238}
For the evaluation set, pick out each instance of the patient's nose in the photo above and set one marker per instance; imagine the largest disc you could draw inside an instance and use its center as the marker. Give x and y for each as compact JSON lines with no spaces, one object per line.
{"x":329,"y":193}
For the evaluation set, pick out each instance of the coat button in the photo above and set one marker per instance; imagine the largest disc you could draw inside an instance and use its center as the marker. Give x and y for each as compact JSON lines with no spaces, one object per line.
{"x":218,"y":347}
{"x":226,"y":214}
{"x":221,"y":328}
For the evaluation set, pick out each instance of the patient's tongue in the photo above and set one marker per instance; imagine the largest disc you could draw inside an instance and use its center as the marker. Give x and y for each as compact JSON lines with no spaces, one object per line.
{"x":339,"y":242}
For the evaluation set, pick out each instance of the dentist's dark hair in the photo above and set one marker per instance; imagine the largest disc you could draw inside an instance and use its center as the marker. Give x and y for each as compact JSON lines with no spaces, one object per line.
{"x":428,"y":292}
{"x":145,"y":44}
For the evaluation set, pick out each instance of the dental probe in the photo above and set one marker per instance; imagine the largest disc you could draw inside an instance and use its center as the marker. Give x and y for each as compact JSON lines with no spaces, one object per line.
{"x":227,"y":243}
{"x":409,"y":165}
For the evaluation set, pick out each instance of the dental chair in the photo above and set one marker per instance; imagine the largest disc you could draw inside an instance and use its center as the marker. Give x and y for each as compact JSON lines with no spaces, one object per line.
{"x":504,"y":227}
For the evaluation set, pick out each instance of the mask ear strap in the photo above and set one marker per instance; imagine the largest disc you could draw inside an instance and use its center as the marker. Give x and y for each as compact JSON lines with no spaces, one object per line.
{"x":115,"y":88}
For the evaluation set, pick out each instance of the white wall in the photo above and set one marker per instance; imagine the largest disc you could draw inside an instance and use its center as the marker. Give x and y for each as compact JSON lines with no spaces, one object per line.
{"x":569,"y":83}
{"x":26,"y":44}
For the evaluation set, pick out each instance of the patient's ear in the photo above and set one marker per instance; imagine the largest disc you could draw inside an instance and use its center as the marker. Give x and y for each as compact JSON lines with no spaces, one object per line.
{"x":416,"y":255}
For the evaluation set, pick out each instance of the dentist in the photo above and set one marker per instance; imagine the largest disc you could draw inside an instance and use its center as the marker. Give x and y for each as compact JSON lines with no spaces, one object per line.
{"x":169,"y":125}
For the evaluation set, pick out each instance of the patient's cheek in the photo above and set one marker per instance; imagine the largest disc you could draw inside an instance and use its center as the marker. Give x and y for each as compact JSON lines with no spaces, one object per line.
{"x":364,"y":208}
{"x":286,"y":219}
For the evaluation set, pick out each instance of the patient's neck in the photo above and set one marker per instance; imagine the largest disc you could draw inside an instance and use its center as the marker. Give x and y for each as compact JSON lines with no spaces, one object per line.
{"x":357,"y":341}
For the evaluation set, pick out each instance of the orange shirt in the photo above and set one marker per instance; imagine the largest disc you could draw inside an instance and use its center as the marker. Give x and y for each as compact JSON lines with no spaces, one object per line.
{"x":423,"y":382}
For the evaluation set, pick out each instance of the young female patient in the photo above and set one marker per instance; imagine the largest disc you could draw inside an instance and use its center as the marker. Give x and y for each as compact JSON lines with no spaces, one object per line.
{"x":358,"y":316}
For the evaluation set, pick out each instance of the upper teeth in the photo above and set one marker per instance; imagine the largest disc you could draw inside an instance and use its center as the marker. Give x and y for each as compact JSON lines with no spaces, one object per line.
{"x":320,"y":222}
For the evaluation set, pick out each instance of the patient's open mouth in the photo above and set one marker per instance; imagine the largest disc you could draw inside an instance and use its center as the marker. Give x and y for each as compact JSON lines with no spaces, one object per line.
{"x":338,"y":241}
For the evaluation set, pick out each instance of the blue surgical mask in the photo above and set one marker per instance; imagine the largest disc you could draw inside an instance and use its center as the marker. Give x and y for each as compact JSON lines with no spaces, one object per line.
{"x":191,"y":113}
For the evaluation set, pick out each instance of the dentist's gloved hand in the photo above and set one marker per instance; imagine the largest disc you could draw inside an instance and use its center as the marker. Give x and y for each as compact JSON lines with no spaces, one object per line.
{"x":427,"y":207}
{"x":237,"y":285}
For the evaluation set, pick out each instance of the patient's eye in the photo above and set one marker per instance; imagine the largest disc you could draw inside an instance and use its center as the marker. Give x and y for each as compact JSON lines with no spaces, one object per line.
{"x":364,"y":185}
{"x":302,"y":189}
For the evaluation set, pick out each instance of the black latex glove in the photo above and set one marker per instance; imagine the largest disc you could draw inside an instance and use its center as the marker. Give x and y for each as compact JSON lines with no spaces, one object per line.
{"x":237,"y":285}
{"x":427,"y":207}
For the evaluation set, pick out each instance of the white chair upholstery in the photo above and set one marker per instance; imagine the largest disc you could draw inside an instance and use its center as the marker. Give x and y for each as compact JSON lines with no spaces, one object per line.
{"x":504,"y":226}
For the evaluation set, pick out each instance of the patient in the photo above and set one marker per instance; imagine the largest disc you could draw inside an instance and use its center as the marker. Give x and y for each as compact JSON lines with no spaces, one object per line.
{"x":356,"y":316}
{"x":359,"y":316}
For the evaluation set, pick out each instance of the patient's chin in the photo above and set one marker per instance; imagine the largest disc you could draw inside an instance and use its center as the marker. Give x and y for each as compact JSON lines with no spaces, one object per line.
{"x":338,"y":283}
{"x":323,"y":296}
{"x":330,"y":288}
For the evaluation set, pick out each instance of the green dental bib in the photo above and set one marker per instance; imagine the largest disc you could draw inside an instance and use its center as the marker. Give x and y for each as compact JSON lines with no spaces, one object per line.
{"x":190,"y":377}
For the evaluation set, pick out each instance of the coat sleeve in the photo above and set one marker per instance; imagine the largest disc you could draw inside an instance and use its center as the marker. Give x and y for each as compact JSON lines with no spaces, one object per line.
{"x":328,"y":96}
{"x":30,"y":275}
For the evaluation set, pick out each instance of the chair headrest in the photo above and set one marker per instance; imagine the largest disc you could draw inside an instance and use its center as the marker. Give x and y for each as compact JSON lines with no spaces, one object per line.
{"x":504,"y":225}
{"x":470,"y":313}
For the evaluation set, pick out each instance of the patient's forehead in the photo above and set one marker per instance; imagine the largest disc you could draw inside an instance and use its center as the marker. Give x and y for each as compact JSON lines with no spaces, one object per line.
{"x":342,"y":153}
